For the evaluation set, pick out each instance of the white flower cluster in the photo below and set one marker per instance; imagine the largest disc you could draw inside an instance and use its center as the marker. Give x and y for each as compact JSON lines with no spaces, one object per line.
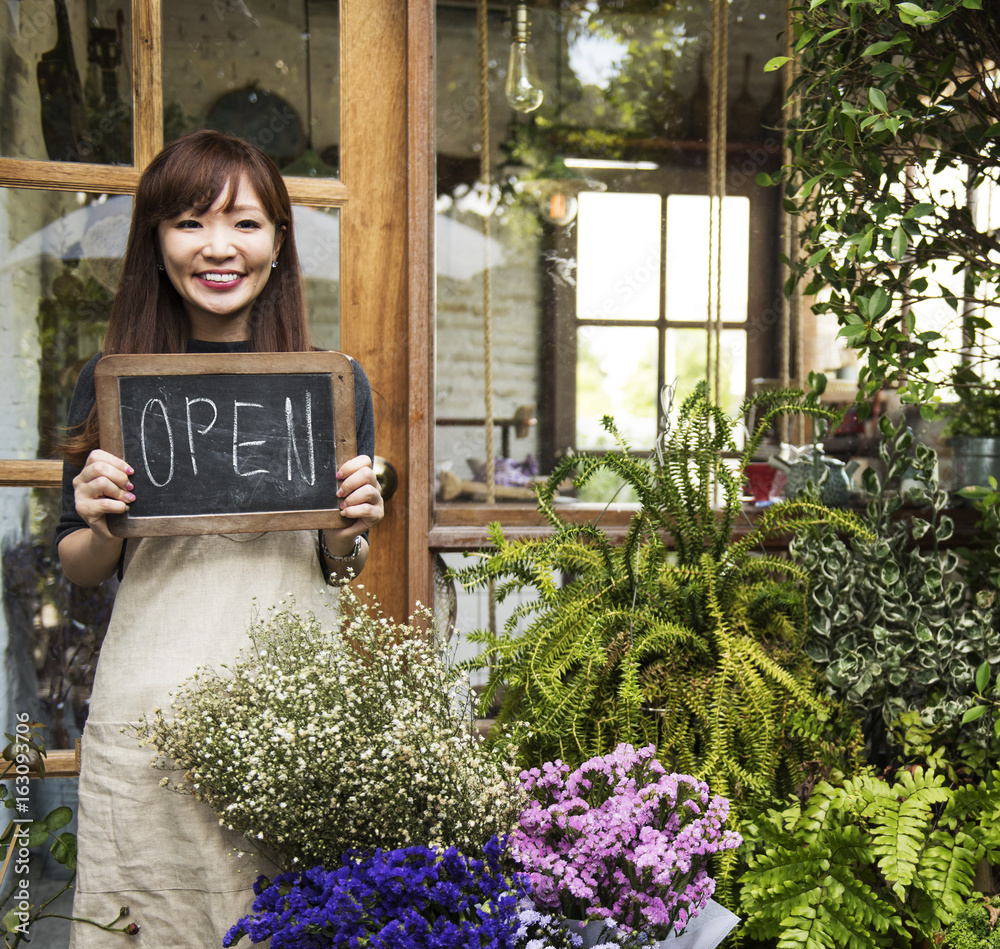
{"x":318,"y":740}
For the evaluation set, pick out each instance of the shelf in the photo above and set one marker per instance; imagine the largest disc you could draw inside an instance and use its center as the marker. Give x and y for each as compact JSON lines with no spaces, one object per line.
{"x":463,"y":526}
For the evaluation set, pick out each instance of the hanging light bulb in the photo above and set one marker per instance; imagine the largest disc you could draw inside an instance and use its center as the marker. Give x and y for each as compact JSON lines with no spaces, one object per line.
{"x":523,"y":90}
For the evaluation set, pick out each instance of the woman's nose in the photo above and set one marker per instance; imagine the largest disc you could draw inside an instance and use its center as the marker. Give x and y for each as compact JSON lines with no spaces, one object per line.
{"x":218,"y":243}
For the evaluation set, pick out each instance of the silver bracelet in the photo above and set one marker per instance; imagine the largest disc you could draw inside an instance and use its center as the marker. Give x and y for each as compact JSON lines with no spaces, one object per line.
{"x":353,"y":555}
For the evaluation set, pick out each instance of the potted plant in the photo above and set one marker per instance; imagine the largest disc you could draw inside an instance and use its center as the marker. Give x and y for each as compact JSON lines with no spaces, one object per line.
{"x":891,"y":625}
{"x":25,"y":840}
{"x":686,"y":635}
{"x":869,"y":861}
{"x":973,"y":430}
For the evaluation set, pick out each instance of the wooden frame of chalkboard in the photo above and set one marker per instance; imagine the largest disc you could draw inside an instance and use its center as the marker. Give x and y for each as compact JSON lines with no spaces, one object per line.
{"x":229,"y":442}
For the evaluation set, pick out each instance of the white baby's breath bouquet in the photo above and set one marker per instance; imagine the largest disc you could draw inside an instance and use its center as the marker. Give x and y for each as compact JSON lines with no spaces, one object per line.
{"x":350,"y":733}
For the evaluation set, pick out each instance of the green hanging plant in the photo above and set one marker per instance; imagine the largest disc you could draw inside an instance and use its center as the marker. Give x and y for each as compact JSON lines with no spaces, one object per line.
{"x":688,"y":635}
{"x":891,"y":628}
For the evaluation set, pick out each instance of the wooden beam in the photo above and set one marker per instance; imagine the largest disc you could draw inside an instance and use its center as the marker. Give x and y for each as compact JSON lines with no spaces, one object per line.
{"x":374,"y":257}
{"x":421,"y":164}
{"x":147,"y":82}
{"x":67,"y":176}
{"x":36,"y":473}
{"x":59,"y":763}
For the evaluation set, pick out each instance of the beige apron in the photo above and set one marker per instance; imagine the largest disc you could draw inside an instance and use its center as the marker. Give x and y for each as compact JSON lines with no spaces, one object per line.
{"x":184,"y":602}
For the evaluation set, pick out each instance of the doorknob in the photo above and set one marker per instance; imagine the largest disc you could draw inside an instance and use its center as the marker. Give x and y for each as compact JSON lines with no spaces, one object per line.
{"x":386,"y":476}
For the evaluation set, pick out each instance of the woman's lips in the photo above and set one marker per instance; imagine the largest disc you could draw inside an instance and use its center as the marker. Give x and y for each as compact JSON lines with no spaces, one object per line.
{"x":219,"y":279}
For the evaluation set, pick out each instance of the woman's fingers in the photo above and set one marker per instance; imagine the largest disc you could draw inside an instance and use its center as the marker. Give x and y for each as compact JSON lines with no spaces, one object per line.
{"x":359,"y":492}
{"x":102,"y":487}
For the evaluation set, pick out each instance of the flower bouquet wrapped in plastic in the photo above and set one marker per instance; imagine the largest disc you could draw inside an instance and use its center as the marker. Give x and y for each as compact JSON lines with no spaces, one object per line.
{"x":620,"y":840}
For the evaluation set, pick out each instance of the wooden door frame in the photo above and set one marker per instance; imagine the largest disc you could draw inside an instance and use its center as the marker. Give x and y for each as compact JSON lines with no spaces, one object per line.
{"x":422,"y":164}
{"x":386,"y":199}
{"x":387,"y":301}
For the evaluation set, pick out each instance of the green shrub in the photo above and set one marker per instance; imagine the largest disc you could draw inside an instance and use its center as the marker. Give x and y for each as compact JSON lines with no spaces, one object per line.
{"x":891,"y":628}
{"x":682,"y":636}
{"x":868,"y":862}
{"x":975,"y":925}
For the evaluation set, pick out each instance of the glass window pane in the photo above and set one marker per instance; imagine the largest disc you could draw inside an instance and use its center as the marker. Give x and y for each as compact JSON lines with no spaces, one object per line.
{"x":58,"y":271}
{"x":317,"y":239}
{"x":616,"y":375}
{"x":686,"y":364}
{"x":623,"y":109}
{"x":618,"y":251}
{"x":270,"y":74}
{"x":687,"y":257}
{"x":66,"y":91}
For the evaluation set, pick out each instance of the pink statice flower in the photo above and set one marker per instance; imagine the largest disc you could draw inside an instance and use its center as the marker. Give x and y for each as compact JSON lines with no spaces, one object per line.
{"x":621,"y":839}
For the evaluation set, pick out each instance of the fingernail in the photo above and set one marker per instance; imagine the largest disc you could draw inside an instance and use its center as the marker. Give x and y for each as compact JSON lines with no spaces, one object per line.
{"x":343,"y":504}
{"x":130,"y":497}
{"x":129,"y":486}
{"x":129,"y":470}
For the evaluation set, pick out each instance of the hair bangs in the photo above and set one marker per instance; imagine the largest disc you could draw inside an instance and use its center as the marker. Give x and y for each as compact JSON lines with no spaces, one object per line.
{"x":196,"y":172}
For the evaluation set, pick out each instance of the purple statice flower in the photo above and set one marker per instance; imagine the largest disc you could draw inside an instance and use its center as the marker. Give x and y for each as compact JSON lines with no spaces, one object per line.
{"x":620,"y":839}
{"x":408,"y":898}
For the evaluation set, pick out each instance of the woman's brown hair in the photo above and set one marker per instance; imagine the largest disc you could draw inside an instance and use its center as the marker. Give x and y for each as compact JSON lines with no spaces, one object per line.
{"x":147,"y":315}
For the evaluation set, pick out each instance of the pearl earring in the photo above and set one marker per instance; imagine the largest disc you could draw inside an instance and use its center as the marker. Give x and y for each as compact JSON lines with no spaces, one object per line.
{"x":274,"y":264}
{"x":161,"y":268}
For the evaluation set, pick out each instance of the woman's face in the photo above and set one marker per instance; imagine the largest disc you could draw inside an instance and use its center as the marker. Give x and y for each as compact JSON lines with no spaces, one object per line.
{"x":220,"y":261}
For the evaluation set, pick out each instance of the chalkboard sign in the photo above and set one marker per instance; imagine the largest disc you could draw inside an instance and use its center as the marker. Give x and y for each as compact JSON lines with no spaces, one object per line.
{"x":228,"y":443}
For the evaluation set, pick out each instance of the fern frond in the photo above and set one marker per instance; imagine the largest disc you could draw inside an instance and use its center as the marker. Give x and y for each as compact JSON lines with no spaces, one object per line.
{"x":946,"y":875}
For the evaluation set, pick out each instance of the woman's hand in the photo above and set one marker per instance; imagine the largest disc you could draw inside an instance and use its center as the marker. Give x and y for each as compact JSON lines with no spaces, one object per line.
{"x":361,"y":502}
{"x":89,"y":557}
{"x":101,"y":488}
{"x":360,"y":494}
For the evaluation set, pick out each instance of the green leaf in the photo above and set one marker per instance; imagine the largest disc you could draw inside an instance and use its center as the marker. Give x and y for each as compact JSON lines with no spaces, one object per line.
{"x":805,"y":39}
{"x":807,"y":188}
{"x":975,"y":713}
{"x":776,"y":63}
{"x":876,"y":97}
{"x":856,"y":331}
{"x":60,"y":817}
{"x":982,"y":677}
{"x":914,"y":10}
{"x":841,"y":169}
{"x":64,"y":850}
{"x":876,"y":49}
{"x":899,"y":244}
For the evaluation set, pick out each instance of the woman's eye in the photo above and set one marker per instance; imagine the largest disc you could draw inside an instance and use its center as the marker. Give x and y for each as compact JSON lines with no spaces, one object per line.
{"x":188,"y":224}
{"x":249,"y":225}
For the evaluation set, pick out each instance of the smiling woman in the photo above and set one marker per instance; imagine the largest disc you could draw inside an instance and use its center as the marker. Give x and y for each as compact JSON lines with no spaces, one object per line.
{"x":220,"y":260}
{"x":210,"y":267}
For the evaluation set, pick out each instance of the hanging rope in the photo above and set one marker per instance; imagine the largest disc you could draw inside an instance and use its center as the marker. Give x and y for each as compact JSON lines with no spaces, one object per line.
{"x":484,"y":177}
{"x":791,"y":324}
{"x":718,"y":95}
